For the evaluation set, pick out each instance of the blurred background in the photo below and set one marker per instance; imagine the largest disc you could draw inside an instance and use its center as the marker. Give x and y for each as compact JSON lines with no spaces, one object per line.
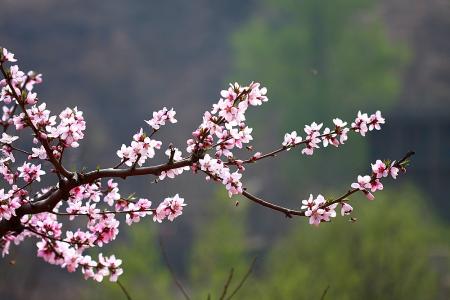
{"x":118,"y":61}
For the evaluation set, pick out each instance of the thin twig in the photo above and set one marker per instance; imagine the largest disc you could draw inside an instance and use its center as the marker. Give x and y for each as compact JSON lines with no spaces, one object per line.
{"x":124,"y":290}
{"x":120,"y":164}
{"x":106,"y":212}
{"x":241,"y":283}
{"x":325,"y":292}
{"x":54,"y":239}
{"x":227,"y":284}
{"x":20,"y":150}
{"x":166,"y":260}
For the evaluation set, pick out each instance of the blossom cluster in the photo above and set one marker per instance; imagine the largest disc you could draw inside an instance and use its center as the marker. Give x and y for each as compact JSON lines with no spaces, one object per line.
{"x":336,"y":137}
{"x":224,"y":129}
{"x":216,"y":169}
{"x":369,"y":184}
{"x":70,"y":129}
{"x":160,"y":117}
{"x":319,"y":210}
{"x":142,"y":148}
{"x":170,"y":208}
{"x":67,"y":249}
{"x":9,"y":202}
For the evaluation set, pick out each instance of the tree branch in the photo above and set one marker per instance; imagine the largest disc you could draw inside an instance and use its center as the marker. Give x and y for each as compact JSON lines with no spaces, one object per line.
{"x":292,"y":212}
{"x":65,"y":185}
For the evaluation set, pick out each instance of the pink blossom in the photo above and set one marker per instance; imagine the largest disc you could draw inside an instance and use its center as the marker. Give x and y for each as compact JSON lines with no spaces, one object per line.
{"x":315,"y":216}
{"x":312,"y":137}
{"x":380,"y":169}
{"x":5,"y":243}
{"x":329,"y":212}
{"x":346,"y":208}
{"x":231,"y":93}
{"x":30,"y":172}
{"x":33,"y":79}
{"x":170,"y":208}
{"x":375,"y":185}
{"x":112,"y":265}
{"x":257,"y":96}
{"x":5,"y":171}
{"x":8,"y":139}
{"x":360,"y":124}
{"x":142,"y":148}
{"x":232,"y":183}
{"x":105,"y":228}
{"x":5,"y":56}
{"x":393,"y":171}
{"x":138,"y":210}
{"x":72,"y":259}
{"x":309,"y":203}
{"x":363,"y":183}
{"x":330,"y":138}
{"x":70,"y":129}
{"x":112,"y":194}
{"x":291,"y":139}
{"x":7,"y":113}
{"x":375,"y":120}
{"x":339,"y":123}
{"x":313,"y":128}
{"x":47,"y":252}
{"x":315,"y":210}
{"x":31,"y":98}
{"x":40,"y":117}
{"x":39,"y":153}
{"x":160,"y":117}
{"x":8,"y":204}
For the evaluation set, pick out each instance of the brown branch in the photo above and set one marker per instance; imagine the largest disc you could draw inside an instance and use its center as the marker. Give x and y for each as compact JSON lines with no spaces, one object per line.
{"x":292,"y":212}
{"x":65,"y":185}
{"x":287,"y":211}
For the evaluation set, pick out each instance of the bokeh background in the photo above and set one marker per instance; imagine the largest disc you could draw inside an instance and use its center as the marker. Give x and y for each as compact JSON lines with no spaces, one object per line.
{"x":120,"y":60}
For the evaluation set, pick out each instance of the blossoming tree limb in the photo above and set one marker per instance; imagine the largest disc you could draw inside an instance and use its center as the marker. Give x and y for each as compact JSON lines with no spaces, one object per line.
{"x":94,"y":197}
